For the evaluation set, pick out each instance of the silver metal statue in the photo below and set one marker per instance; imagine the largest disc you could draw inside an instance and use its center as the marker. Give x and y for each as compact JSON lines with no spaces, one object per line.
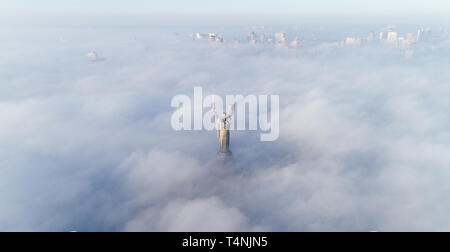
{"x":223,"y":128}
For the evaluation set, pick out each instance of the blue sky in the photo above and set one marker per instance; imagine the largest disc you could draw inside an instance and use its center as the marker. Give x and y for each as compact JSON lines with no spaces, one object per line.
{"x":332,"y":7}
{"x":222,"y":12}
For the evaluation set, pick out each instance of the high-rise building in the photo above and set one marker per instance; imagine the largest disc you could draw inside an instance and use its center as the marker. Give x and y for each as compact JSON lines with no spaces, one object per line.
{"x":410,"y":37}
{"x":353,"y":41}
{"x":392,"y":36}
{"x":295,"y":43}
{"x":212,"y":36}
{"x":92,"y":55}
{"x":199,"y":36}
{"x":251,"y":36}
{"x":280,"y":38}
{"x":420,"y":34}
{"x":424,"y":35}
{"x":371,"y":37}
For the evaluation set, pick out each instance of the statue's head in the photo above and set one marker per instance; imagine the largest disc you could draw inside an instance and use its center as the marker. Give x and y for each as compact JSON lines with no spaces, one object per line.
{"x":224,"y":115}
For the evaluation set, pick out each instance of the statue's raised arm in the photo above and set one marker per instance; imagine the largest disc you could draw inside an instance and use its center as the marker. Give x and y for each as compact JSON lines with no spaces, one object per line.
{"x":213,"y":107}
{"x":231,"y":110}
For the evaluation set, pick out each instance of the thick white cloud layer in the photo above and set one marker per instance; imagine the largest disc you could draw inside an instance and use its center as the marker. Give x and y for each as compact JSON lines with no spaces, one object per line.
{"x":88,"y":145}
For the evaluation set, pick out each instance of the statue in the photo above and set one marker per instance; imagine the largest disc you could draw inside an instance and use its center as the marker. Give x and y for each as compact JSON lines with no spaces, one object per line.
{"x":223,"y":128}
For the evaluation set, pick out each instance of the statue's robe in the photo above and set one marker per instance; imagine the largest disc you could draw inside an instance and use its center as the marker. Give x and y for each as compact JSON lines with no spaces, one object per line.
{"x":223,"y":133}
